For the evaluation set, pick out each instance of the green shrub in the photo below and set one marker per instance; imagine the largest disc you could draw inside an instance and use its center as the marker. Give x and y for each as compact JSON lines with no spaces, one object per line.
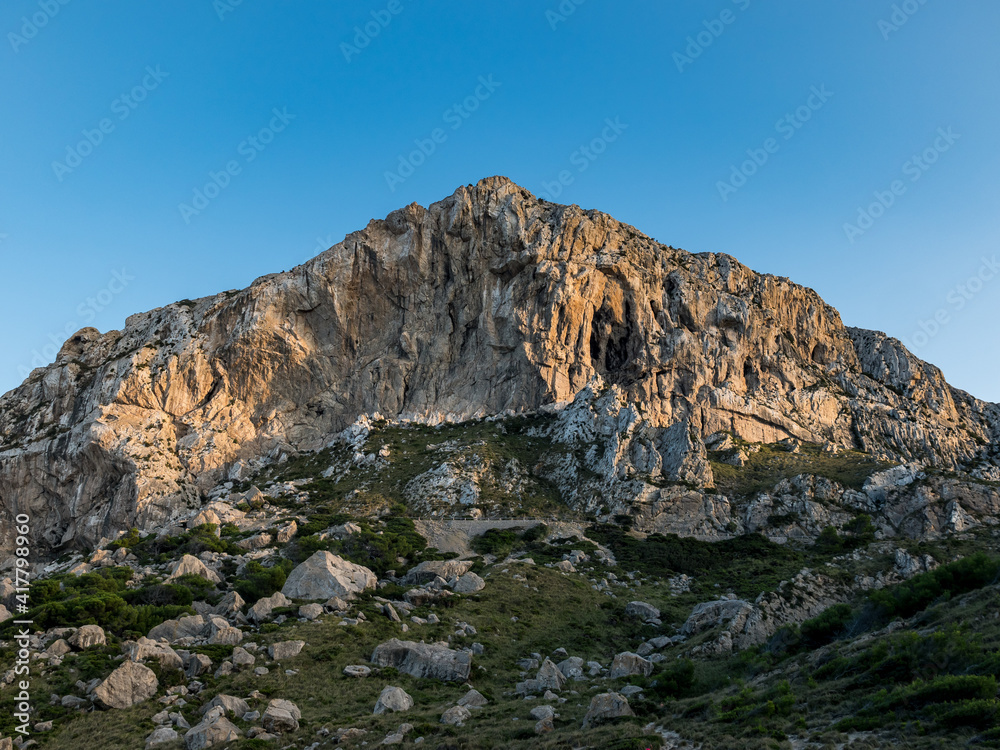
{"x":944,"y":582}
{"x":675,"y":680}
{"x":499,"y":542}
{"x":942,"y":689}
{"x":128,"y":540}
{"x":827,"y":626}
{"x":258,"y":582}
{"x":535,"y":533}
{"x":160,"y":594}
{"x":980,"y":713}
{"x":829,"y":541}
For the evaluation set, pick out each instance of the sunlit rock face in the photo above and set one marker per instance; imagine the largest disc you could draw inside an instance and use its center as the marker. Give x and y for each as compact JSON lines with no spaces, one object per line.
{"x":488,"y":302}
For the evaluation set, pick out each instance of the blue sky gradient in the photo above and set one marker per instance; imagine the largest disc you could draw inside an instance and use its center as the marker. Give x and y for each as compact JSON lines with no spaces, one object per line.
{"x":756,"y":129}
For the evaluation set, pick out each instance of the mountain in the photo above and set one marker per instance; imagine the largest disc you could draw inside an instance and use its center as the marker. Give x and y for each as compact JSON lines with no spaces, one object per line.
{"x":491,"y":303}
{"x":499,"y":473}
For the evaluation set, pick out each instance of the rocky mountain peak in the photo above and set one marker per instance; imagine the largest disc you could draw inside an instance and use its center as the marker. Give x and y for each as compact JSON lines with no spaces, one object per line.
{"x":490,"y":302}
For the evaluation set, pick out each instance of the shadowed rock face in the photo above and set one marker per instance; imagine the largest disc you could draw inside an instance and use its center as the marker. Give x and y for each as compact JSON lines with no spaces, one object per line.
{"x":486,"y":302}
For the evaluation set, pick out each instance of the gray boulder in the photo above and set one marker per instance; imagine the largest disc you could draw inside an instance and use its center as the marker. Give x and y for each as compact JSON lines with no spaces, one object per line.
{"x":88,"y":636}
{"x":281,"y":716}
{"x":473,"y":698}
{"x":606,"y":706}
{"x":469,"y":583}
{"x":424,"y":660}
{"x":642,"y":611}
{"x":627,"y":664}
{"x":228,"y":704}
{"x":191,"y":565}
{"x":325,"y":575}
{"x":393,"y":699}
{"x":427,"y":571}
{"x":262,"y":609}
{"x":456,"y":716}
{"x":128,"y":685}
{"x":285,"y":649}
{"x":193,"y":626}
{"x":214,"y":730}
{"x":162,"y":736}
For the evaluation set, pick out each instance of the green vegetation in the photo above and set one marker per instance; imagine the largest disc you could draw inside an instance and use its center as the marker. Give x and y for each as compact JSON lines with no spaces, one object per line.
{"x":773,"y":463}
{"x":415,"y":449}
{"x":103,"y":598}
{"x":257,"y":582}
{"x":378,"y":545}
{"x":747,"y":564}
{"x":157,"y":549}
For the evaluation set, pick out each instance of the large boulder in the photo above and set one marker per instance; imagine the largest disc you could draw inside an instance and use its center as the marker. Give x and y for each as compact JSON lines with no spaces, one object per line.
{"x":325,"y":575}
{"x":572,"y":668}
{"x":193,"y":626}
{"x":128,"y":685}
{"x":627,"y":664}
{"x":642,"y":611}
{"x":281,"y":716}
{"x":707,"y":615}
{"x":263,"y":608}
{"x":227,"y":636}
{"x":473,"y":698}
{"x":606,"y":706}
{"x":145,"y":648}
{"x":426,"y":572}
{"x":285,"y":649}
{"x":196,"y":664}
{"x":424,"y":660}
{"x":204,"y":517}
{"x":393,"y":699}
{"x":229,"y":605}
{"x":229,"y":704}
{"x":549,"y":677}
{"x":469,"y":583}
{"x":214,"y":730}
{"x":191,"y":565}
{"x":88,"y":636}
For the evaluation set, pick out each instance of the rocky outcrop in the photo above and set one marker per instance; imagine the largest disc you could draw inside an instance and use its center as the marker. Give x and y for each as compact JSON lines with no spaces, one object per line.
{"x":129,"y":684}
{"x":281,"y":716}
{"x":325,"y":575}
{"x":214,"y":730}
{"x":88,"y":636}
{"x":605,"y":707}
{"x":435,"y":661}
{"x":427,"y":571}
{"x":488,"y":302}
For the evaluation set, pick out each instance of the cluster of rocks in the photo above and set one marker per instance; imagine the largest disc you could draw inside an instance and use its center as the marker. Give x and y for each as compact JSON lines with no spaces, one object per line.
{"x":215,"y":728}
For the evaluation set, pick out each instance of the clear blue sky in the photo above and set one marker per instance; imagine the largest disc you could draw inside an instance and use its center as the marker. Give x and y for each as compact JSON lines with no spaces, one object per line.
{"x":181,"y":87}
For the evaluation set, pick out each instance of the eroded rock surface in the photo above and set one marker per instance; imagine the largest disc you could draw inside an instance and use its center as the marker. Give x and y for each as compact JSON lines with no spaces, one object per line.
{"x":489,"y":301}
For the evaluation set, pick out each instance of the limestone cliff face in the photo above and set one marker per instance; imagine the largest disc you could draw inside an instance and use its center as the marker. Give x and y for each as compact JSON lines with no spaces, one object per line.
{"x":487,"y":302}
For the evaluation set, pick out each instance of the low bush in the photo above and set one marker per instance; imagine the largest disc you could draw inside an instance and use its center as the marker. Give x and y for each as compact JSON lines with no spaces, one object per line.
{"x":258,"y":582}
{"x":944,"y":582}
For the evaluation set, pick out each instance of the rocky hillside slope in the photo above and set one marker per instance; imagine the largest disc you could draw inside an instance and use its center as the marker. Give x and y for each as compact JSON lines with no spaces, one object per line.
{"x":490,"y":302}
{"x":275,"y":619}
